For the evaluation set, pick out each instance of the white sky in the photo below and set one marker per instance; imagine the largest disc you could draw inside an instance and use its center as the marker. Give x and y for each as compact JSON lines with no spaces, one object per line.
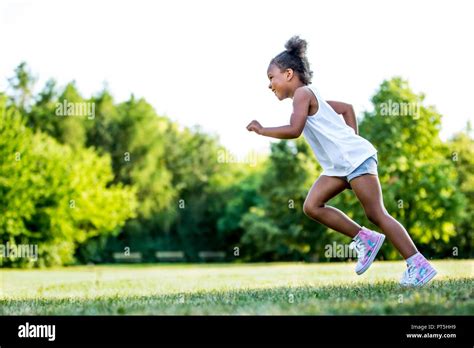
{"x":204,"y":62}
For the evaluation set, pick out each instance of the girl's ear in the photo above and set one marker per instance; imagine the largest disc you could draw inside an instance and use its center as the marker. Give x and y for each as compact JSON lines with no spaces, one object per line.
{"x":289,"y":74}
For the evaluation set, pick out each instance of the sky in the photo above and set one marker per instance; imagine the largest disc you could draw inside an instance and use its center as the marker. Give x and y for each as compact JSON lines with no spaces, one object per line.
{"x":204,"y":62}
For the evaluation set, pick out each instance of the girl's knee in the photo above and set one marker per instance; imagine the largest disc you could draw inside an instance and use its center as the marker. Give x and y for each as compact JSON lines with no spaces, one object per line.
{"x":377,"y":216}
{"x":312,"y":210}
{"x":307,"y":209}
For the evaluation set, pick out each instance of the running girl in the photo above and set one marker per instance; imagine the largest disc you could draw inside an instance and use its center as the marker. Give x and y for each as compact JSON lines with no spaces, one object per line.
{"x":347,"y":159}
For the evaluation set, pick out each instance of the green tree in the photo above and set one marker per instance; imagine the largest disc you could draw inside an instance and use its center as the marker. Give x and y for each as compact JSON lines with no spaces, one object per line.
{"x":134,"y":135}
{"x":239,"y":194}
{"x":41,"y":111}
{"x":278,"y":229}
{"x":22,"y":85}
{"x":420,"y":184}
{"x":42,"y":116}
{"x":52,"y":196}
{"x":70,"y":128}
{"x":462,"y":155}
{"x":201,"y":180}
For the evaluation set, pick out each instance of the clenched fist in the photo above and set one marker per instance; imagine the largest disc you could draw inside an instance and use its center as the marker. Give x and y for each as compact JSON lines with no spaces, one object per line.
{"x":255,"y":126}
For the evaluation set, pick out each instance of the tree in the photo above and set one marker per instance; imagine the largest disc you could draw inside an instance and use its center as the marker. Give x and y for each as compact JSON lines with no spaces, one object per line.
{"x":201,"y":182}
{"x":22,"y":84}
{"x":52,"y":196}
{"x":462,"y":155}
{"x":239,"y":195}
{"x":62,"y":116}
{"x":419,"y":182}
{"x":278,"y":229}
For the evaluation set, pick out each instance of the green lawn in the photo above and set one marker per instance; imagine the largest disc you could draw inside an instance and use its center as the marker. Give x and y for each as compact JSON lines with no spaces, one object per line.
{"x":272,"y":288}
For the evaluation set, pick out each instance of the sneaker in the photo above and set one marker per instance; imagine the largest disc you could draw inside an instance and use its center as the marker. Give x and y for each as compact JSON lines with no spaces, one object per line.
{"x":418,"y":272}
{"x":367,"y":244}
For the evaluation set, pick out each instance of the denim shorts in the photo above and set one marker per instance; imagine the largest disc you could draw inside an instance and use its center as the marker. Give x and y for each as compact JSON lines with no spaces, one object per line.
{"x":369,"y":166}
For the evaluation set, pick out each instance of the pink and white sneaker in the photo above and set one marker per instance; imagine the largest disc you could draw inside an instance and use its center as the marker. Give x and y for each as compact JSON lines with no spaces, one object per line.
{"x":367,"y":244}
{"x":418,"y":272}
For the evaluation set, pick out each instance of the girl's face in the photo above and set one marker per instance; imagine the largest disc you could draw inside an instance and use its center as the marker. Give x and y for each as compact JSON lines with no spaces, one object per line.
{"x":279,"y":81}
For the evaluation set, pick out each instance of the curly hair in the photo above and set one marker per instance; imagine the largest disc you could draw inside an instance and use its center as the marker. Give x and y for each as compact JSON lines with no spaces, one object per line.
{"x":294,"y":57}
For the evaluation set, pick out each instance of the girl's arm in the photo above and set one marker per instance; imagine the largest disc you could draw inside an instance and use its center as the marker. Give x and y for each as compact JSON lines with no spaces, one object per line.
{"x":347,"y":111}
{"x":301,"y":103}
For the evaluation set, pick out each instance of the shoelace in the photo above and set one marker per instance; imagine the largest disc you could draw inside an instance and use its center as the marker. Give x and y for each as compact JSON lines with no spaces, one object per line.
{"x":359,"y":247}
{"x":410,"y":273}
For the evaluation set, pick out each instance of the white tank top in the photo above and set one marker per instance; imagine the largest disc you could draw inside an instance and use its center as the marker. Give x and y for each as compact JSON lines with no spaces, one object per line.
{"x":337,"y":148}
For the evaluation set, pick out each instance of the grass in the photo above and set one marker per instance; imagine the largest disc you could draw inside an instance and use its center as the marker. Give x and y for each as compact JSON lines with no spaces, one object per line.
{"x":241,"y":289}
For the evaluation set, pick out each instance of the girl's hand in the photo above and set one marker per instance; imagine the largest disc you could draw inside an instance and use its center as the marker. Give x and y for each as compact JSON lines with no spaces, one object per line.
{"x":255,"y":126}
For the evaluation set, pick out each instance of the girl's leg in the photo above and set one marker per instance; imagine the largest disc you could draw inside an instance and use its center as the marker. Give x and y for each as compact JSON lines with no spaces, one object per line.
{"x":368,"y":191}
{"x":325,"y":188}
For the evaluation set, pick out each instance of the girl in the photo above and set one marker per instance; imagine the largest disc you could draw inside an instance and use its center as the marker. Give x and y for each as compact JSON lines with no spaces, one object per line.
{"x":347,"y":159}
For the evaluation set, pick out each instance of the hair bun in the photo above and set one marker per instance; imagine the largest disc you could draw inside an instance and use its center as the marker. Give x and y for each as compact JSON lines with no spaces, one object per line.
{"x":296,"y":46}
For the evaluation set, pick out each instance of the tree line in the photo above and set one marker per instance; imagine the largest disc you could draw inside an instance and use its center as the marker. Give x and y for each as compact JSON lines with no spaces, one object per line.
{"x":83,"y":187}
